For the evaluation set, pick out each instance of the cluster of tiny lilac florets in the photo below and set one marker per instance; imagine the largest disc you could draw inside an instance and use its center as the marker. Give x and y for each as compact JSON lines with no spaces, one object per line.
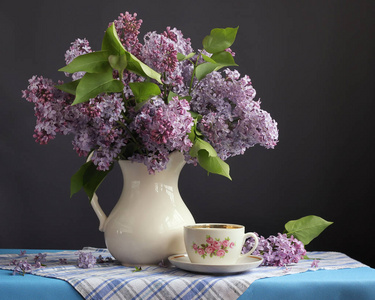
{"x":162,"y":128}
{"x":94,"y":124}
{"x":85,"y":260}
{"x":23,"y":266}
{"x":231,"y":122}
{"x":77,"y":48}
{"x":127,"y":28}
{"x":160,"y":53}
{"x":277,"y":250}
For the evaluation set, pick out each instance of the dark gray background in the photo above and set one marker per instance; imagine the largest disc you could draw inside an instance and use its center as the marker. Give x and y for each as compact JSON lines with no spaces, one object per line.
{"x":312,"y":64}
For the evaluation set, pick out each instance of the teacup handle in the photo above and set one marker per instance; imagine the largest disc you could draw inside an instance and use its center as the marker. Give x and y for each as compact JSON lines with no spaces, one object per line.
{"x":246,"y":236}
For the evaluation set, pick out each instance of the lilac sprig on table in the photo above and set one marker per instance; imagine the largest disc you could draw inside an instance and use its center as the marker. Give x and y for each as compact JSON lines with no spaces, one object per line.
{"x":101,"y":259}
{"x":277,"y":250}
{"x":23,"y":266}
{"x":288,"y":247}
{"x":85,"y":260}
{"x":140,"y":102}
{"x":40,"y":259}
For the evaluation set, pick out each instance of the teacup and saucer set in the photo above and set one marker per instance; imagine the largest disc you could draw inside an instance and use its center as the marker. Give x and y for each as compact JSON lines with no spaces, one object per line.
{"x":215,"y":248}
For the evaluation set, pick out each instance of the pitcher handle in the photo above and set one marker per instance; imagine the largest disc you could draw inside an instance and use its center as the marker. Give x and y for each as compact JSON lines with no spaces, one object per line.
{"x":98,"y":210}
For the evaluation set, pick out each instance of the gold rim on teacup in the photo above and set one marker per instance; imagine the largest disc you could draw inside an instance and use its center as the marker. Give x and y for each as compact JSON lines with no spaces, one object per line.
{"x":214,"y":226}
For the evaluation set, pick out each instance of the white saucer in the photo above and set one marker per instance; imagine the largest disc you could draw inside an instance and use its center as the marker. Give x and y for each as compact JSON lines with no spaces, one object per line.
{"x":243,"y":264}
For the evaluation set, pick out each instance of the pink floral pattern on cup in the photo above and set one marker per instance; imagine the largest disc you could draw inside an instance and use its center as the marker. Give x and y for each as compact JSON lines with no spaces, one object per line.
{"x":213,"y":247}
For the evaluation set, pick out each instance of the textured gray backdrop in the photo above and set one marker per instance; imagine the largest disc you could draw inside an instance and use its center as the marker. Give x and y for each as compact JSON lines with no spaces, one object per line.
{"x":312,"y":64}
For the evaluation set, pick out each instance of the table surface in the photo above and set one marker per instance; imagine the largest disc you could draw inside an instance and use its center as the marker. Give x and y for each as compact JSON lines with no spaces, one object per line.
{"x":358,"y":283}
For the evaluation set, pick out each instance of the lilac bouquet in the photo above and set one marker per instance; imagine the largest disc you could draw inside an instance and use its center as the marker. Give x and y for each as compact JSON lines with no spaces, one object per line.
{"x":140,"y":102}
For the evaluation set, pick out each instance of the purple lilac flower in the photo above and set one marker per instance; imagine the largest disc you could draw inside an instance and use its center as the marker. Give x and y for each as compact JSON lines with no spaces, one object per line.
{"x":22,"y":253}
{"x":63,"y":261}
{"x":127,"y":27}
{"x":160,"y":53}
{"x":77,"y":48}
{"x":50,"y":108}
{"x":232,"y":121}
{"x":13,"y":262}
{"x":163,"y":264}
{"x":22,"y":267}
{"x":94,"y":124}
{"x":162,"y":128}
{"x":315,"y":263}
{"x":86,"y":260}
{"x":40,"y":258}
{"x":277,"y":250}
{"x":38,"y":265}
{"x":101,"y":259}
{"x":98,"y":130}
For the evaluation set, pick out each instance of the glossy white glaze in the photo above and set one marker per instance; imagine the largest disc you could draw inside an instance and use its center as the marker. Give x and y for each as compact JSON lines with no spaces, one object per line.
{"x":146,"y":225}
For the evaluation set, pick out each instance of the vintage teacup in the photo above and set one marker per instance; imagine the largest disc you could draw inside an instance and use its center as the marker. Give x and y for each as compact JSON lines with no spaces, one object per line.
{"x":216,"y":243}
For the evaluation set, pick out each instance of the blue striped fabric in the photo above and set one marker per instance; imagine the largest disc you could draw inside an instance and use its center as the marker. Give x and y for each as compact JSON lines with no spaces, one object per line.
{"x":114,"y":281}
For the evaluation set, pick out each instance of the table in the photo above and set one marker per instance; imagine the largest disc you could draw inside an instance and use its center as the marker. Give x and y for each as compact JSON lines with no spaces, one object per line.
{"x":358,"y":283}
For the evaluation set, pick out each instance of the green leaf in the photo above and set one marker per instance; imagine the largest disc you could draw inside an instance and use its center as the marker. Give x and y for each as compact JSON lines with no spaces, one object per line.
{"x":195,"y":115}
{"x":95,"y":62}
{"x":200,"y":144}
{"x":143,"y":91}
{"x":224,"y":58}
{"x":182,"y":57}
{"x":139,"y":68}
{"x":213,"y":164}
{"x":92,"y":84}
{"x":307,"y":228}
{"x":111,"y":43}
{"x":187,"y":98}
{"x":171,"y":95}
{"x":219,"y":39}
{"x":93,"y":178}
{"x":118,"y":62}
{"x":206,"y":68}
{"x":76,"y":181}
{"x":69,"y":87}
{"x":207,"y":155}
{"x":88,"y":178}
{"x":214,"y":63}
{"x":208,"y":59}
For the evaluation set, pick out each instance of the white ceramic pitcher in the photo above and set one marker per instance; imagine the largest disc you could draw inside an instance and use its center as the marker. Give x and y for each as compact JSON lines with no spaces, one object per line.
{"x":146,"y":225}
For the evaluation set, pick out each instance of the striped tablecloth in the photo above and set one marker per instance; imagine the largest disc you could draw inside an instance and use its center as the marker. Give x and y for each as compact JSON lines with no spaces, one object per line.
{"x":114,"y":281}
